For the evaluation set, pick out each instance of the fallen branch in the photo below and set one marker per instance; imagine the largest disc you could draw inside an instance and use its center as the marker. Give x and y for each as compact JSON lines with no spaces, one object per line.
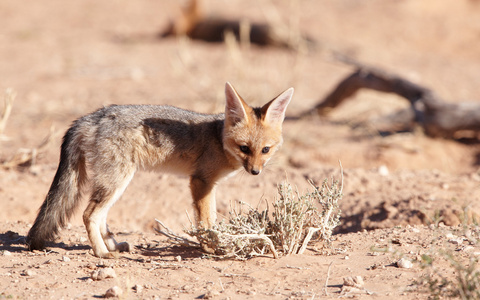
{"x":438,"y":118}
{"x":194,"y":23}
{"x":28,"y":156}
{"x":254,"y":237}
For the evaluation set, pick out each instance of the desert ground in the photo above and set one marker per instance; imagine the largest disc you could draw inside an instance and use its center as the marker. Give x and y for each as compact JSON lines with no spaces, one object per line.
{"x":405,"y":194}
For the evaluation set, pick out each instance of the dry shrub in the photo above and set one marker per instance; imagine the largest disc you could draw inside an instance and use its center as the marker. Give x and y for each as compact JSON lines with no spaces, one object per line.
{"x":27,"y":157}
{"x":460,"y":278}
{"x":296,"y":221}
{"x":7,"y":109}
{"x":24,"y":156}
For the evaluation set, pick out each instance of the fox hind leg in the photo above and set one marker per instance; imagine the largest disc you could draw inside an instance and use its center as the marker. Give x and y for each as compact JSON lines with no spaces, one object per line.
{"x":95,"y":218}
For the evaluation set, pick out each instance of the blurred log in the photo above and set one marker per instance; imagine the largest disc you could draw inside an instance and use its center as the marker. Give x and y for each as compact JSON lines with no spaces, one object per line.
{"x":438,"y":118}
{"x":194,"y":23}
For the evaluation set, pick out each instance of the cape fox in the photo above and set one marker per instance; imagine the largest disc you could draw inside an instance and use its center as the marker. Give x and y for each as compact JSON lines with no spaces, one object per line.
{"x":116,"y":141}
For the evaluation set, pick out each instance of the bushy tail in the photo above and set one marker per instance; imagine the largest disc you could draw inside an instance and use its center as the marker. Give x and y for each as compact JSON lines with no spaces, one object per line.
{"x":64,"y":194}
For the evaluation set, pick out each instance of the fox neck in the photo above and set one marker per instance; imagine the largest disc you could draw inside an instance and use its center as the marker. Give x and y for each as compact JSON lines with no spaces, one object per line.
{"x":233,"y":162}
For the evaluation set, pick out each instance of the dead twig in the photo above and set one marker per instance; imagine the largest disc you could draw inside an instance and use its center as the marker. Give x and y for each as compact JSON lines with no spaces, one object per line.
{"x":328,"y":277}
{"x":28,"y":156}
{"x":172,"y":236}
{"x":308,"y":237}
{"x":9,"y":97}
{"x":437,"y":117}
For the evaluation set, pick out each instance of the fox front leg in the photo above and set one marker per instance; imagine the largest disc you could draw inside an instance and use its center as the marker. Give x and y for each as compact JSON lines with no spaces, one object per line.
{"x":203,"y":194}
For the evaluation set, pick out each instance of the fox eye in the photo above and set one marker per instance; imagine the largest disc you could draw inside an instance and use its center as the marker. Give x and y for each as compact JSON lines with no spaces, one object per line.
{"x":245,"y":149}
{"x":265,"y":150}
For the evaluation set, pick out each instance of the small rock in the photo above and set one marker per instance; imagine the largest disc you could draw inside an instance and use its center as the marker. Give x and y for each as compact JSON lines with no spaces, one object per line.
{"x":456,"y":241}
{"x":178,"y":258}
{"x":138,"y":288}
{"x":186,"y":287}
{"x":101,"y":263}
{"x":103,"y":274}
{"x":347,"y":257}
{"x":114,"y":291}
{"x":29,"y":273}
{"x":355,"y":281}
{"x":124,"y":247}
{"x":66,"y":258}
{"x":211,"y":294}
{"x":404,"y":263}
{"x":7,"y":253}
{"x":383,"y":170}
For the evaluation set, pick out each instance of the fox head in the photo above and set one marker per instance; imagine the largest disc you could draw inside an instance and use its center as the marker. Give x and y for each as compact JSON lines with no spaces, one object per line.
{"x":252,"y":135}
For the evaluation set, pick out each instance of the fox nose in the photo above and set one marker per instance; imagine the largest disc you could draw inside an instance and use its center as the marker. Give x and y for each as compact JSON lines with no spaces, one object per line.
{"x":255,"y":172}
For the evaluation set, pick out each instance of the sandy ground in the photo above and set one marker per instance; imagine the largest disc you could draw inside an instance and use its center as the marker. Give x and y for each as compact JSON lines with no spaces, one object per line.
{"x":67,"y":58}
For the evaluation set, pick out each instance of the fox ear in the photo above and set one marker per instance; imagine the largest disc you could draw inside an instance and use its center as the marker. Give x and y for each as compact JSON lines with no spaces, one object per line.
{"x":274,"y":111}
{"x":234,"y":106}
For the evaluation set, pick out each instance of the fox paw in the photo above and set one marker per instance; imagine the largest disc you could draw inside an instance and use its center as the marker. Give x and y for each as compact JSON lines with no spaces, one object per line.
{"x":108,"y":255}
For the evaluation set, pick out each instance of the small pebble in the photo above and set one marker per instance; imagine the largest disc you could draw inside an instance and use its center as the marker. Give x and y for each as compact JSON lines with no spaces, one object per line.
{"x":354,"y":281}
{"x":186,"y":287}
{"x":383,"y":170}
{"x":456,"y":241}
{"x":211,"y":294}
{"x":7,"y":253}
{"x":66,"y":258}
{"x":138,"y":288}
{"x":178,"y":258}
{"x":404,"y":263}
{"x":103,"y":273}
{"x":114,"y":291}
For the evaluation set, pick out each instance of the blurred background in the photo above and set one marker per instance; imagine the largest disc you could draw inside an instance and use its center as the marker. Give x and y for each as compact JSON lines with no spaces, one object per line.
{"x":65,"y":59}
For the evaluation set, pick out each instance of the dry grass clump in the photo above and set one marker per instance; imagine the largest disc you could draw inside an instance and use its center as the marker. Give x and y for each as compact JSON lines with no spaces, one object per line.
{"x":7,"y":109}
{"x":460,"y":279}
{"x":296,"y":221}
{"x":464,"y":285}
{"x":24,"y":157}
